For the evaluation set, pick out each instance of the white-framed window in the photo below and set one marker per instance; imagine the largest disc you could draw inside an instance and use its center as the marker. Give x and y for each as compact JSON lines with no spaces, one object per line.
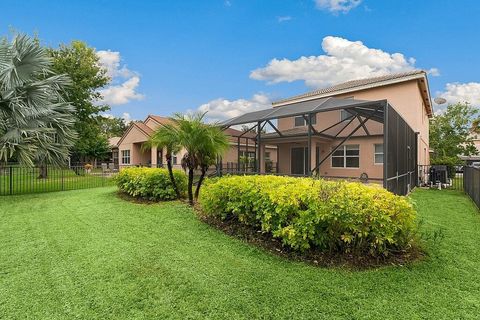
{"x":347,"y":156}
{"x":174,"y":158}
{"x":267,"y":155}
{"x":378,"y":153}
{"x":125,"y":156}
{"x":249,"y":154}
{"x":345,"y":115}
{"x":300,"y":120}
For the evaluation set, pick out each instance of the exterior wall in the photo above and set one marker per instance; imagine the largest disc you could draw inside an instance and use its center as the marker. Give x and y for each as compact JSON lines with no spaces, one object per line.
{"x":405,"y":98}
{"x":367,"y":161}
{"x":132,"y":141}
{"x":329,"y":118}
{"x":367,"y":164}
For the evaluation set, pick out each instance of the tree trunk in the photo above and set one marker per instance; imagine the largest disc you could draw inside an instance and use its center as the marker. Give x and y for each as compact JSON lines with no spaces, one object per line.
{"x":43,"y":171}
{"x":190,"y":186}
{"x":199,"y":184}
{"x":170,"y":173}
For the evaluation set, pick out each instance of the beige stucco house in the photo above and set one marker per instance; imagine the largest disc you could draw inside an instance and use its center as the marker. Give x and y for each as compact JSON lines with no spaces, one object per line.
{"x":350,"y":123}
{"x":132,"y":153}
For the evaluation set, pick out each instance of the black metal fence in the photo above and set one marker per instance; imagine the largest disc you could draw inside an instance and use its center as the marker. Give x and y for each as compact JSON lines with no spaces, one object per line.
{"x":15,"y":179}
{"x":471,"y":183}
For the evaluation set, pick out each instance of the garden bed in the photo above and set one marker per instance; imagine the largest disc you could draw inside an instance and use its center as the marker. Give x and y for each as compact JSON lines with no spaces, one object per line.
{"x":313,"y":257}
{"x":324,"y":222}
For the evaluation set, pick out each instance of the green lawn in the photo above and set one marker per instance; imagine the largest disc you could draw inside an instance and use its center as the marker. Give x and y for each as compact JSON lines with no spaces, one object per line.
{"x":87,"y":254}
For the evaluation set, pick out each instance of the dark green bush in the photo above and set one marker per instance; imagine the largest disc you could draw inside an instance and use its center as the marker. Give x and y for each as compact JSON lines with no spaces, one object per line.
{"x":305,"y":213}
{"x":150,"y":183}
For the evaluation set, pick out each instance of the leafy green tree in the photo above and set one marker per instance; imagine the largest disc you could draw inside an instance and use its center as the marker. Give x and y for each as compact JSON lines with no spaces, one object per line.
{"x":451,"y":131}
{"x":113,"y":127}
{"x":36,"y":121}
{"x":81,"y":63}
{"x":94,"y":149}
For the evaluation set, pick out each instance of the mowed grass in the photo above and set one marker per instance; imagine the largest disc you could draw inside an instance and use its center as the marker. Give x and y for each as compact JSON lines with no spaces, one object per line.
{"x":87,"y":254}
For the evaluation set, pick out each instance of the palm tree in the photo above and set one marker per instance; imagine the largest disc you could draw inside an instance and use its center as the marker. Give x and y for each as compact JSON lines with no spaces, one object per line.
{"x":36,"y":124}
{"x":166,"y":138}
{"x":213,"y":145}
{"x":203,"y":144}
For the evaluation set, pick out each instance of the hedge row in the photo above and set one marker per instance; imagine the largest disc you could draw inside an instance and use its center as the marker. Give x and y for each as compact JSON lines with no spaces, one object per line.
{"x":150,"y":183}
{"x":331,"y":216}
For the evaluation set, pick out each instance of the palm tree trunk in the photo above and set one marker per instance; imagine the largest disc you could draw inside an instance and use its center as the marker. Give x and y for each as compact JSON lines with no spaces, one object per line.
{"x":190,"y":186}
{"x":200,"y":181}
{"x":170,"y":173}
{"x":43,"y":171}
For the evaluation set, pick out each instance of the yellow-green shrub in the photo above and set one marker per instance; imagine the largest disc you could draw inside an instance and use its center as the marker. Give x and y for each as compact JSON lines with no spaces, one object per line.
{"x":333,"y":216}
{"x":150,"y":183}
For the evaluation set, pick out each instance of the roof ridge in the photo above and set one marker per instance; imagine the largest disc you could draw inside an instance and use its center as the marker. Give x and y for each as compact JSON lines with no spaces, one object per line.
{"x":350,"y":84}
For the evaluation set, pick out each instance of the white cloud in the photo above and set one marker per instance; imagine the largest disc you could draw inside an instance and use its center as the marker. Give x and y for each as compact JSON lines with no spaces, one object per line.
{"x":222,"y":109}
{"x":336,"y":6}
{"x":124,"y":81}
{"x":461,"y":92}
{"x":434,"y":72}
{"x":343,"y":60}
{"x":127,"y":118}
{"x":122,"y":93}
{"x":283,"y":18}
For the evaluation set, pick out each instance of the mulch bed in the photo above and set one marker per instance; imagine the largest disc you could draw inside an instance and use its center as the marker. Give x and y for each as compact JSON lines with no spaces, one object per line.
{"x":314,"y":257}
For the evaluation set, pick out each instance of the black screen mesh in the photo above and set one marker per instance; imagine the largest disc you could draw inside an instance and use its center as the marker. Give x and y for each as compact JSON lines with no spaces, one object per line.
{"x":401,"y":154}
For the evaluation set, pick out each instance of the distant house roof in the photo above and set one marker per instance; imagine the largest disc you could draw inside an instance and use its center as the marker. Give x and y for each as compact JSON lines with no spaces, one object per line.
{"x":362,"y":84}
{"x":146,"y":130}
{"x":113,"y":141}
{"x":158,"y":119}
{"x":143,"y":127}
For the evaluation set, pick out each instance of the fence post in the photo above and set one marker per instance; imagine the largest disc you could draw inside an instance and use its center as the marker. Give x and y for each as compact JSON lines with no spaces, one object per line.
{"x":63,"y":182}
{"x":11,"y":180}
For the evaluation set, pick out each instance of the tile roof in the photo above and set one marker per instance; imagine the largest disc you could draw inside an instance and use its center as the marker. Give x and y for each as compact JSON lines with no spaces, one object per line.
{"x":356,"y":84}
{"x":159,"y":119}
{"x":113,"y":141}
{"x":143,"y":127}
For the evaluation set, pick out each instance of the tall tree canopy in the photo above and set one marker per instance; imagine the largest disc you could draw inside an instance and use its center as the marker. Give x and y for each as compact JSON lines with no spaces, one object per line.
{"x":113,"y":127}
{"x":451,"y":131}
{"x":36,"y":121}
{"x":81,"y":63}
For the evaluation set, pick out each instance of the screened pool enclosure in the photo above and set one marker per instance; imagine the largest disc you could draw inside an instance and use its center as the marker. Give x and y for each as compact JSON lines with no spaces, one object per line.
{"x":331,"y":138}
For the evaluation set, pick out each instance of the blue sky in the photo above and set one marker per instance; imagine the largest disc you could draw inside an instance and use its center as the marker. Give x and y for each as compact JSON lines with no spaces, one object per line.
{"x":168,"y":56}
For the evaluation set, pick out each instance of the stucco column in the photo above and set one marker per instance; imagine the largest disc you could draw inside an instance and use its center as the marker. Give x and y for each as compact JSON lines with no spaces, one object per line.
{"x":153,"y":156}
{"x":313,"y":155}
{"x":261,"y":157}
